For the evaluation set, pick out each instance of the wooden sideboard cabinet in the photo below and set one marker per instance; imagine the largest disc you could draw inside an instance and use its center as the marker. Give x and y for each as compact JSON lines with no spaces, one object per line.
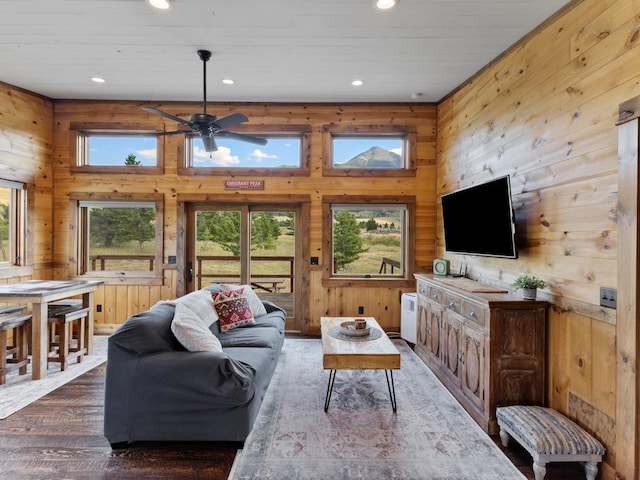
{"x":487,"y":348}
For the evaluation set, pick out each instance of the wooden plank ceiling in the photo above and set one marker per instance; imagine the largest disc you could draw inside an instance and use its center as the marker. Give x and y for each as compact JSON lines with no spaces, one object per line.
{"x":275,"y":50}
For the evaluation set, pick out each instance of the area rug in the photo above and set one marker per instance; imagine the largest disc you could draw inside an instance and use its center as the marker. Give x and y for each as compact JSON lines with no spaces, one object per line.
{"x":430,"y":437}
{"x":19,"y":390}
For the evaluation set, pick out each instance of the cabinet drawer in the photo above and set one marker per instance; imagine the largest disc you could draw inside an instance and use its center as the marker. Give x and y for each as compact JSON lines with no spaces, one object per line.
{"x":423,"y":288}
{"x":437,"y":295}
{"x":453,"y":302}
{"x":473,"y":312}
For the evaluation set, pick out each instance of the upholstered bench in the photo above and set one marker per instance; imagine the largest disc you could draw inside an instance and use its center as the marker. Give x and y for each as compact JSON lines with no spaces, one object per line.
{"x":549,"y":436}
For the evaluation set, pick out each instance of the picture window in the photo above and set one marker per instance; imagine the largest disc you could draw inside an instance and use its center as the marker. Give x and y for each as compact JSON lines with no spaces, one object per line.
{"x":118,"y":238}
{"x":368,"y":239}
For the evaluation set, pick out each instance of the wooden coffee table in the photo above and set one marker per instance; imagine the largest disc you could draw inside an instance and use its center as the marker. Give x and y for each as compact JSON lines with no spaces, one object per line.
{"x":358,"y":354}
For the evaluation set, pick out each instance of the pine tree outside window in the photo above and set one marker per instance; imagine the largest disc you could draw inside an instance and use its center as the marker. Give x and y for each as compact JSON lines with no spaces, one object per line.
{"x":118,"y":236}
{"x":369,"y":240}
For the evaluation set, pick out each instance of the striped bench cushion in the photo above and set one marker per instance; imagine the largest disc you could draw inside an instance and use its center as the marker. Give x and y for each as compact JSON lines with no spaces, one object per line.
{"x":547,"y":432}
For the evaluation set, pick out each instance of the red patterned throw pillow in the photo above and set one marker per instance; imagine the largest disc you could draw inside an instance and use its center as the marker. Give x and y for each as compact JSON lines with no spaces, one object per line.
{"x":233,"y":309}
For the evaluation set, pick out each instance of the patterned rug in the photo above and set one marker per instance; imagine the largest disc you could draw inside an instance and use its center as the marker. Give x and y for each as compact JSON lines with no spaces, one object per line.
{"x":430,"y":437}
{"x":20,"y":390}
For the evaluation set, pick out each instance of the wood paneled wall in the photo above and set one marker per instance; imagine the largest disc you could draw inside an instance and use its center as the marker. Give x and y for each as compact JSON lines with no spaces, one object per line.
{"x":119,"y":302}
{"x":545,"y":113}
{"x":26,"y":140}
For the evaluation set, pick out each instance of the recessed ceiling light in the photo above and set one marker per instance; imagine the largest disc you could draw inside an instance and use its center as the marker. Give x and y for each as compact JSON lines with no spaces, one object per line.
{"x":97,"y":79}
{"x":385,"y":4}
{"x":228,"y":81}
{"x":161,"y":4}
{"x":357,"y":83}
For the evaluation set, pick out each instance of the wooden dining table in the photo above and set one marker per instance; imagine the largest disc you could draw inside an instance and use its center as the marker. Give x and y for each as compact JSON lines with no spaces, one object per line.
{"x":38,"y":294}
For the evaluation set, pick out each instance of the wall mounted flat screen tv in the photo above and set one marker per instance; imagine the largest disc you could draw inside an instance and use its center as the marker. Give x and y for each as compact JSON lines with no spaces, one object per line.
{"x":479,"y":220}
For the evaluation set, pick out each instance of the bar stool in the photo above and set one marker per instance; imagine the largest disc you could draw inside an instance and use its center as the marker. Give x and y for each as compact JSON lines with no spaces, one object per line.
{"x":14,"y":355}
{"x":67,"y":335}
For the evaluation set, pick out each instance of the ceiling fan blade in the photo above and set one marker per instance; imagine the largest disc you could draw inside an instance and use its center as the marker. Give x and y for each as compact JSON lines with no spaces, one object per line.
{"x":230,"y":120}
{"x":242,"y":138}
{"x":167,"y":115}
{"x":209,"y":143}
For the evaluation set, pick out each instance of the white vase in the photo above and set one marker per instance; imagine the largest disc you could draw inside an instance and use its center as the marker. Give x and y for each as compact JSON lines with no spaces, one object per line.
{"x":529,"y":293}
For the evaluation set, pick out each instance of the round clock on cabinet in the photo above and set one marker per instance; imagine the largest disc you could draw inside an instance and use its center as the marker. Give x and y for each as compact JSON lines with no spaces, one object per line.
{"x":441,"y":266}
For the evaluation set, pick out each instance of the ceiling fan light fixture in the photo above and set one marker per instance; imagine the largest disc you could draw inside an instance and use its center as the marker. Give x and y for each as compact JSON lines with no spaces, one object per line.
{"x":385,"y":4}
{"x":160,"y":4}
{"x":206,"y":126}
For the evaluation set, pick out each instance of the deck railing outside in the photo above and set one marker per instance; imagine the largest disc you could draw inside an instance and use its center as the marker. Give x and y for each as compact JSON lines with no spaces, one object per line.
{"x":270,"y":282}
{"x":103,"y":259}
{"x":388,"y":261}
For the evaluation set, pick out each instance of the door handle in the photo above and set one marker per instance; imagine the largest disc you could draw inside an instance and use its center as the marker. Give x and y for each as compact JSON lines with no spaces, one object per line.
{"x":190,"y":272}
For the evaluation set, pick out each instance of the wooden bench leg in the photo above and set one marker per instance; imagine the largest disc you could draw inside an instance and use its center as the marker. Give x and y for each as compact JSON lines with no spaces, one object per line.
{"x":64,"y":345}
{"x":80,"y":347}
{"x":539,"y":470}
{"x":504,"y":438}
{"x":591,"y":470}
{"x":22,"y":340}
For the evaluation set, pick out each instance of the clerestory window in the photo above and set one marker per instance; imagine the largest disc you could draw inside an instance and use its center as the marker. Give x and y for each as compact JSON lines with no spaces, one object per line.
{"x":101,"y":148}
{"x":369,"y":151}
{"x":286,"y":153}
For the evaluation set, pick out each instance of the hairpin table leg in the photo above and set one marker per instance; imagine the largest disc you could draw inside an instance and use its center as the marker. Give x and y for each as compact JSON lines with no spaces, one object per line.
{"x":332,"y":378}
{"x":392,"y":390}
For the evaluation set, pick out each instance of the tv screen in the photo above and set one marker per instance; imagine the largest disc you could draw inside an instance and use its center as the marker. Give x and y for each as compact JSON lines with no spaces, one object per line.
{"x":479,"y":220}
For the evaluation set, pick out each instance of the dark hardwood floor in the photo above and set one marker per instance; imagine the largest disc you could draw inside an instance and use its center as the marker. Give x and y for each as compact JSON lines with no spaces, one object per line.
{"x":60,"y":437}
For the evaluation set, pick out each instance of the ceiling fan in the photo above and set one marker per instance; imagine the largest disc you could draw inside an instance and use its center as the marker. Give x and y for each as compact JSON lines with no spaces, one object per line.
{"x":210,"y":126}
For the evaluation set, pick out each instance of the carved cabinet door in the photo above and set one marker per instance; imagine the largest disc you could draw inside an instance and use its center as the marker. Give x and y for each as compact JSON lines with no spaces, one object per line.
{"x":451,"y":332}
{"x":473,"y":366}
{"x":433,"y":340}
{"x":421,"y":326}
{"x":423,"y":308}
{"x":428,"y":335}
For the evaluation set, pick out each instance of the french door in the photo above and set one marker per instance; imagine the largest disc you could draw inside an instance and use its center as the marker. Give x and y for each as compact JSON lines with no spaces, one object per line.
{"x":246,"y":244}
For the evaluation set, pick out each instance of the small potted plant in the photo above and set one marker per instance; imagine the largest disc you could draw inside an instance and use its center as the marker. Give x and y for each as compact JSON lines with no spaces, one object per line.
{"x":529,"y":285}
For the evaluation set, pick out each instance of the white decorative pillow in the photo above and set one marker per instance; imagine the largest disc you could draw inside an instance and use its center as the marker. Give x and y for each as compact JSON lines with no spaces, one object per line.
{"x":193,"y":316}
{"x":201,"y":303}
{"x":256,"y":305}
{"x":233,"y":309}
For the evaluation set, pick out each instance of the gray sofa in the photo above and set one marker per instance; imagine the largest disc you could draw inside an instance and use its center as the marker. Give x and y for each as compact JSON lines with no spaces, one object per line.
{"x":155,"y":390}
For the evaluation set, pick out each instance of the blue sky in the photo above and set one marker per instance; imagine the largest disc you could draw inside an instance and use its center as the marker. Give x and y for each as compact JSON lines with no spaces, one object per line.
{"x":278,"y":152}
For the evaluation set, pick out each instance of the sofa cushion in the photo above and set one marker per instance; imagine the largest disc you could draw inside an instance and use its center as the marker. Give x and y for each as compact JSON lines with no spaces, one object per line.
{"x":233,"y":309}
{"x":271,"y":320}
{"x":259,"y":335}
